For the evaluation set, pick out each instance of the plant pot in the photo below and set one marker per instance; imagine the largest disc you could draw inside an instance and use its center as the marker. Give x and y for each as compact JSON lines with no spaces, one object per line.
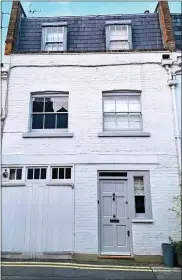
{"x":179,"y":260}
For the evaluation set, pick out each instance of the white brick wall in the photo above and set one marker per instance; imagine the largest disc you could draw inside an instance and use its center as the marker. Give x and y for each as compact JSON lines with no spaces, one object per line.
{"x":85,"y":86}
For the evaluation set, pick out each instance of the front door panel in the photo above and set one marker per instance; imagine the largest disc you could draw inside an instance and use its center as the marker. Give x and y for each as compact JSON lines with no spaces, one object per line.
{"x":114,"y":218}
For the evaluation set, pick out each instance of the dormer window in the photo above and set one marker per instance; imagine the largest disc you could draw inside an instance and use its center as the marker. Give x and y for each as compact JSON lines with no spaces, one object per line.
{"x":118,"y":35}
{"x":54,"y":36}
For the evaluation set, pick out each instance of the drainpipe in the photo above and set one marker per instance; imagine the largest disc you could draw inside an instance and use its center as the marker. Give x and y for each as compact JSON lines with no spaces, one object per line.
{"x":172,"y":82}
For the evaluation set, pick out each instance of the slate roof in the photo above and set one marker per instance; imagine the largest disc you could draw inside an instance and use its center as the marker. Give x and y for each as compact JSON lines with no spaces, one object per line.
{"x":177,"y":26}
{"x":87,"y":33}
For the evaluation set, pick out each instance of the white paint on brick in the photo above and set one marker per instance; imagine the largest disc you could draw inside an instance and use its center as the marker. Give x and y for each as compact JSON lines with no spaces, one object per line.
{"x":85,"y":85}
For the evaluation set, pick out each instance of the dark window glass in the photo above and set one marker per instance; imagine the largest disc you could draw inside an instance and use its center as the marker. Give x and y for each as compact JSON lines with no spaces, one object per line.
{"x":36,"y":173}
{"x":68,"y":173}
{"x":43,"y":173}
{"x":113,"y":174}
{"x":62,"y":120}
{"x":38,"y":105}
{"x":54,"y":173}
{"x":61,"y":173}
{"x":50,"y":121}
{"x":37,"y":121}
{"x":48,"y":105}
{"x":30,"y":174}
{"x":139,"y":204}
{"x":18,"y":174}
{"x":12,"y":174}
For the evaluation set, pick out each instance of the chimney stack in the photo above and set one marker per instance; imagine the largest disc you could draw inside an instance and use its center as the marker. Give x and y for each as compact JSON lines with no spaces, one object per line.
{"x":14,"y":22}
{"x":166,"y":25}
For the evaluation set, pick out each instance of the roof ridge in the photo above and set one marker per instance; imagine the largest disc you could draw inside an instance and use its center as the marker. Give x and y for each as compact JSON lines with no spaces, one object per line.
{"x":94,"y":16}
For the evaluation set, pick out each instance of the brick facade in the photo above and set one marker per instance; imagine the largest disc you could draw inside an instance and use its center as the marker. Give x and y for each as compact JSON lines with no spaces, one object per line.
{"x":86,"y":151}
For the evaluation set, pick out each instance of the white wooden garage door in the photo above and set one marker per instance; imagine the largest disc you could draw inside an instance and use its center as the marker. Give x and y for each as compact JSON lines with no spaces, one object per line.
{"x":38,"y":220}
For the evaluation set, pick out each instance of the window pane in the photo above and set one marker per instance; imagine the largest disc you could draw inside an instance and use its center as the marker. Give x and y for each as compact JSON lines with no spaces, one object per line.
{"x":56,"y":104}
{"x":54,"y":173}
{"x":43,"y":173}
{"x":62,"y":120}
{"x":112,"y":32}
{"x":119,"y":45}
{"x":124,"y":35}
{"x":124,"y":45}
{"x":138,"y":185}
{"x":115,"y":45}
{"x":61,"y":173}
{"x":134,"y":108}
{"x":140,"y":204}
{"x":18,"y":174}
{"x":68,"y":173}
{"x":134,"y":103}
{"x":48,"y":105}
{"x":49,"y":47}
{"x":50,"y":121}
{"x":122,"y":121}
{"x":37,"y":121}
{"x":49,"y":37}
{"x":109,"y":105}
{"x":30,"y":173}
{"x":54,"y":34}
{"x":12,"y":174}
{"x":36,"y":173}
{"x":122,"y":104}
{"x":38,"y":105}
{"x":109,"y":122}
{"x":60,"y":47}
{"x":60,"y":34}
{"x":135,"y":121}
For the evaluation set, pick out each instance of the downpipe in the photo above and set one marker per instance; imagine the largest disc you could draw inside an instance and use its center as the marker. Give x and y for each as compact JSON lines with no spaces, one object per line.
{"x":172,"y":82}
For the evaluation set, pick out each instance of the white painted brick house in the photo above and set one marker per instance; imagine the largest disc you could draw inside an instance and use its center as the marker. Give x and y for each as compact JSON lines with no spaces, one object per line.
{"x":90,"y":161}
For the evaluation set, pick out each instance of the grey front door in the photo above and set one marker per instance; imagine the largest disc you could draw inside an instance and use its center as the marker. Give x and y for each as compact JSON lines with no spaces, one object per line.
{"x":115,"y":225}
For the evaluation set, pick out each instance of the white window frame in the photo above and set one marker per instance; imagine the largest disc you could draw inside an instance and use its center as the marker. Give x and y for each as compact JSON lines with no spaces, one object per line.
{"x":54,"y":25}
{"x":61,"y":180}
{"x":8,"y":170}
{"x":147,"y":195}
{"x":126,"y":23}
{"x":36,"y":167}
{"x":115,"y":95}
{"x":47,"y":95}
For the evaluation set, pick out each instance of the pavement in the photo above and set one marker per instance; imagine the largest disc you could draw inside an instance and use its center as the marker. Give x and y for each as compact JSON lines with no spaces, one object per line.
{"x":78,"y":271}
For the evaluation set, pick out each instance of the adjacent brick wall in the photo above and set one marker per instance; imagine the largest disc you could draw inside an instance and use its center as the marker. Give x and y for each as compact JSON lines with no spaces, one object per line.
{"x":12,"y":35}
{"x":166,"y":25}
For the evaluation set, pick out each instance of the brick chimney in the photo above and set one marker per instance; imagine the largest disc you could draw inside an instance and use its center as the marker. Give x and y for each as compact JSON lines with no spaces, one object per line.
{"x":12,"y":35}
{"x":166,"y":25}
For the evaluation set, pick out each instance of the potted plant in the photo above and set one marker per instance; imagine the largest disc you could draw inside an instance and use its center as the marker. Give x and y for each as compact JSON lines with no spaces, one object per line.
{"x":177,"y":245}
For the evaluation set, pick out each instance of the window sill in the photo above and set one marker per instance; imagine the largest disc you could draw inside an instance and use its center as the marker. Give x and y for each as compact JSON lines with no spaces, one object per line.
{"x":47,"y":135}
{"x":13,"y":184}
{"x":124,"y":134}
{"x":143,"y":221}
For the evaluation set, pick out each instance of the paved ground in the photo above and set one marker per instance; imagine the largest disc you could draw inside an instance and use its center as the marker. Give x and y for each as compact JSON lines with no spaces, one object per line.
{"x":68,"y":271}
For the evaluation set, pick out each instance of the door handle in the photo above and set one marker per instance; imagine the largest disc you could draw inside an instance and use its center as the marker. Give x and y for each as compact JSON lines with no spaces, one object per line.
{"x":114,"y":216}
{"x":128,"y":232}
{"x":113,"y":196}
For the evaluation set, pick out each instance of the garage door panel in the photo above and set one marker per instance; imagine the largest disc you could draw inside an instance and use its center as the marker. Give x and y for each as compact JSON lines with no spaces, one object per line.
{"x":37,"y":219}
{"x":59,"y":226}
{"x":14,"y":219}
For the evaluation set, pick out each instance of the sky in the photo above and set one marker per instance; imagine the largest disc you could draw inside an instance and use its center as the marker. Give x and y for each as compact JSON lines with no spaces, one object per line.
{"x":61,"y":8}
